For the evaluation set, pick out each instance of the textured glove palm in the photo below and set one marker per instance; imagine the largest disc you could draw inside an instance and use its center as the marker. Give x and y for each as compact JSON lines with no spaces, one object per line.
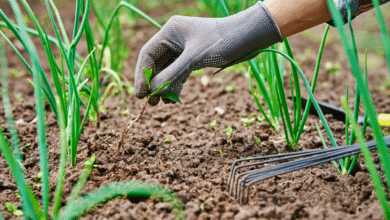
{"x":186,"y":44}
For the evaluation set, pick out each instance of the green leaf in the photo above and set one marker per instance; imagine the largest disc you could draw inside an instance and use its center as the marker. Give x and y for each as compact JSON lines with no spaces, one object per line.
{"x":10,"y":207}
{"x":257,"y":140}
{"x":18,"y":213}
{"x":172,"y":96}
{"x":91,"y":160}
{"x":219,"y":151}
{"x":159,"y":89}
{"x":229,"y":130}
{"x":168,"y":140}
{"x":39,"y":175}
{"x":148,"y":75}
{"x":18,"y":195}
{"x":230,"y":88}
{"x":214,"y":125}
{"x":247,"y":121}
{"x":202,"y":207}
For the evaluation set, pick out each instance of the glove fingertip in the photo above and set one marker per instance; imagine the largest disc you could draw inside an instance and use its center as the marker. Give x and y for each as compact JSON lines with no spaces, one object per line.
{"x":154,"y":100}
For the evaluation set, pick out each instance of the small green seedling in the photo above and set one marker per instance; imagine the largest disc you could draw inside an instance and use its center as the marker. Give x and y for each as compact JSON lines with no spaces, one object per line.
{"x":325,"y":84}
{"x":249,"y":157}
{"x":247,"y":121}
{"x":91,"y":161}
{"x":18,"y":195}
{"x":202,"y":207}
{"x":15,"y":73}
{"x":39,"y":175}
{"x":217,"y":79}
{"x":15,"y":211}
{"x":125,"y":112}
{"x":19,"y":97}
{"x":332,"y":69}
{"x":27,"y":144}
{"x":168,"y":140}
{"x":214,"y":125}
{"x":229,"y":130}
{"x":257,"y":140}
{"x":230,"y":88}
{"x":219,"y":151}
{"x":260,"y":118}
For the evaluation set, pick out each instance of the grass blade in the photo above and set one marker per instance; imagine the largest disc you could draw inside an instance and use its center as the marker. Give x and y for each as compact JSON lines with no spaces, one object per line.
{"x":82,"y":180}
{"x":7,"y":105}
{"x":62,"y":168}
{"x":39,"y":105}
{"x":313,"y":83}
{"x":133,"y":189}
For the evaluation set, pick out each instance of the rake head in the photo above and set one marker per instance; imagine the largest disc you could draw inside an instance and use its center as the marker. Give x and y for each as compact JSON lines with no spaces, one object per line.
{"x":241,"y":179}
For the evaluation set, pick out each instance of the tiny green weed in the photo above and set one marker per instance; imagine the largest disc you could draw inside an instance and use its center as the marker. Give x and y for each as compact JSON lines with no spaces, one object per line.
{"x":257,"y":140}
{"x":229,"y":130}
{"x":16,"y":73}
{"x":247,"y":121}
{"x":213,"y":125}
{"x":15,"y":211}
{"x":19,"y":97}
{"x":218,"y":151}
{"x":230,"y":88}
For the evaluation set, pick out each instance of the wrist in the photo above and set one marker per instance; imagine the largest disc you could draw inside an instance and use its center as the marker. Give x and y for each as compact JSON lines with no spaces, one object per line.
{"x":294,"y":16}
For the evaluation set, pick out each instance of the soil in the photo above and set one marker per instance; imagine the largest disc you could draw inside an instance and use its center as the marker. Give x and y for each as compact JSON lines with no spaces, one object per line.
{"x":189,"y":164}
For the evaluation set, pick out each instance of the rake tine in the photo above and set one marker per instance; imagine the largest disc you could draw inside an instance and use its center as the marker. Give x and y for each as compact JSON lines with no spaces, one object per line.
{"x":283,"y":171}
{"x":311,"y":158}
{"x":259,"y":163}
{"x":302,"y":154}
{"x":281,"y":156}
{"x":249,"y":175}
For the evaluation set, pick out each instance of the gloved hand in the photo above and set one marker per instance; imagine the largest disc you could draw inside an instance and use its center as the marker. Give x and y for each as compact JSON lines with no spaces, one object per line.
{"x":186,"y":44}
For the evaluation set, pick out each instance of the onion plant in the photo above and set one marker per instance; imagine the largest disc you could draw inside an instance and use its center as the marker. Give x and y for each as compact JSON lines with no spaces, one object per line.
{"x":371,"y":113}
{"x":76,"y":81}
{"x":77,"y":205}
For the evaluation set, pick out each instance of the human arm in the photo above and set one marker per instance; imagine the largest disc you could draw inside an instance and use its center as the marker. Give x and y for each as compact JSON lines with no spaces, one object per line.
{"x":189,"y":43}
{"x":294,"y":16}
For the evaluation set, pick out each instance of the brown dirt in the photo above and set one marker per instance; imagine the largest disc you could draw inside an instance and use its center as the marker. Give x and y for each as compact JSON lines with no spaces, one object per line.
{"x":189,"y":165}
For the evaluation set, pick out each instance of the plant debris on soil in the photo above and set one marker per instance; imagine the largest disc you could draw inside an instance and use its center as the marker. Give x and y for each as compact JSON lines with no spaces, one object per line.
{"x":195,"y":163}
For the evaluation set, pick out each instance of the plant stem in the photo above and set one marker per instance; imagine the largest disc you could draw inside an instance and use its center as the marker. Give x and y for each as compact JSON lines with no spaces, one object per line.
{"x":124,"y":133}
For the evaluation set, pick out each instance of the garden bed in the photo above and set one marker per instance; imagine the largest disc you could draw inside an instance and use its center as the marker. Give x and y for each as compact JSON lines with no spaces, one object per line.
{"x":195,"y":162}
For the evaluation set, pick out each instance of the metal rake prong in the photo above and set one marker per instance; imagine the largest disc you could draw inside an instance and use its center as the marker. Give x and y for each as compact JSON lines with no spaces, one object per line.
{"x":287,"y":156}
{"x":253,"y":176}
{"x":281,"y":156}
{"x":243,"y":181}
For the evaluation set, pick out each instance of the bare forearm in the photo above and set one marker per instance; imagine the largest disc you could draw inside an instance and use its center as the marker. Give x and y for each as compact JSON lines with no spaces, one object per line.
{"x":294,"y":16}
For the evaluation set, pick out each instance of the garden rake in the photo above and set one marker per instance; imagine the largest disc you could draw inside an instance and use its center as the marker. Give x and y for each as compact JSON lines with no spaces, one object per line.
{"x":263,"y":167}
{"x":239,"y":183}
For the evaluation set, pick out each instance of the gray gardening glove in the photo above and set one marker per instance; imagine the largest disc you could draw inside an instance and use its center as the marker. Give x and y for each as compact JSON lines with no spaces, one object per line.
{"x":186,"y":44}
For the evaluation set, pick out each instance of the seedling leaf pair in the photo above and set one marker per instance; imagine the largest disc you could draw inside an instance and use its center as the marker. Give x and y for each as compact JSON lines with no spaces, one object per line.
{"x":169,"y":94}
{"x":14,"y":209}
